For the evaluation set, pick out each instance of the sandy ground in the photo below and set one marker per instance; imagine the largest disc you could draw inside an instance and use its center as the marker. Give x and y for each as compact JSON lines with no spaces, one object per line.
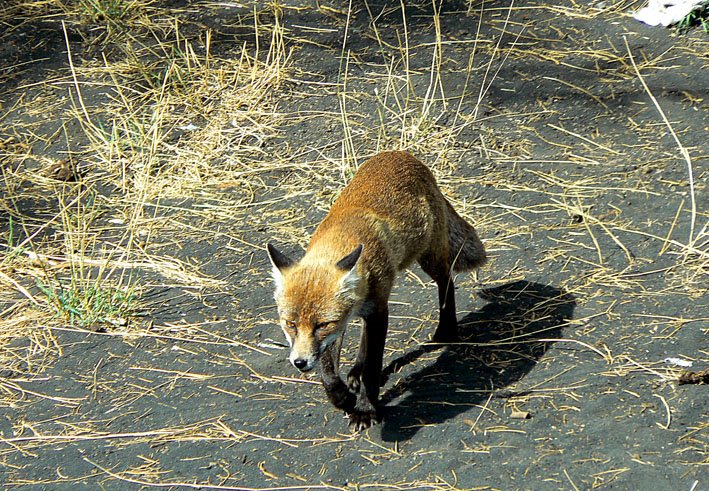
{"x":148,"y":155}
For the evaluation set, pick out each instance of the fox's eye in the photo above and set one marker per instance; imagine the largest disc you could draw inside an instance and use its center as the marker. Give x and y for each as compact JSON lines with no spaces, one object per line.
{"x":290,"y":324}
{"x":322,"y":325}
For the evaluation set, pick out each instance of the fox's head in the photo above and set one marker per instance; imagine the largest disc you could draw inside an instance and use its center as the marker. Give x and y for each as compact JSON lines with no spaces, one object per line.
{"x":315,"y":301}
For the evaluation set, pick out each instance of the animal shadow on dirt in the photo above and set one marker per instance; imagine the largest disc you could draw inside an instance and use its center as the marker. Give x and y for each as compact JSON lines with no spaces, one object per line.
{"x":505,"y":339}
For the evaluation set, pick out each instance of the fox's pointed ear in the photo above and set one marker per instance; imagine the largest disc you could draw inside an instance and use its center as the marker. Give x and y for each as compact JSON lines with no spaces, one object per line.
{"x":348,"y":262}
{"x":278,"y":259}
{"x":350,"y":281}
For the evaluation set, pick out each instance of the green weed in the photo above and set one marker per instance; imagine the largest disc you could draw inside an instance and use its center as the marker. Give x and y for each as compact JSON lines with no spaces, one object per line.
{"x":105,"y":11}
{"x":91,"y":305}
{"x":696,"y":17}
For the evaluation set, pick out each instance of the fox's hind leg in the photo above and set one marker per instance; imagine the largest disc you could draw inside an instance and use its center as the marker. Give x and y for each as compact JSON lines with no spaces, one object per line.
{"x":438,"y":268}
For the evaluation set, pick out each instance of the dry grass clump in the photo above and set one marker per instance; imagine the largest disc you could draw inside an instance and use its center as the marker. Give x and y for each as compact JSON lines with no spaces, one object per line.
{"x":180,"y":118}
{"x":163,"y":119}
{"x":23,"y":348}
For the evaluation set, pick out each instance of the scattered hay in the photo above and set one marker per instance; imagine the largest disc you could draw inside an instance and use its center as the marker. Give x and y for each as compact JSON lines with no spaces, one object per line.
{"x":186,"y":139}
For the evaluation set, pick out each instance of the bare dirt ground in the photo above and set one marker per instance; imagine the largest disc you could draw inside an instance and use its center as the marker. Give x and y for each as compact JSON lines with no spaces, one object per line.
{"x":149,"y":150}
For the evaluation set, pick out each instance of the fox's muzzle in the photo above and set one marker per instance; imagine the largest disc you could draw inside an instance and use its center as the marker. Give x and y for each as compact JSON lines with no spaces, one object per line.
{"x":301,"y":364}
{"x":304,"y":364}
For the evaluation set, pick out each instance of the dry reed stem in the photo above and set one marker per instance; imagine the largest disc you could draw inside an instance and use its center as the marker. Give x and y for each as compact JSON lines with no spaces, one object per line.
{"x":683,"y":151}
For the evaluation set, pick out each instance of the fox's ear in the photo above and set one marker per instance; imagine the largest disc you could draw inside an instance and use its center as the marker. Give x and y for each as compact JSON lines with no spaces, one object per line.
{"x":351,"y":279}
{"x":348,"y":262}
{"x":278,"y":261}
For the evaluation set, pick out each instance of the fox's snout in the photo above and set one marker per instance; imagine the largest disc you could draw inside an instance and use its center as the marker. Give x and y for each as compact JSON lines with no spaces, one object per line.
{"x":303,"y":363}
{"x":305,"y":352}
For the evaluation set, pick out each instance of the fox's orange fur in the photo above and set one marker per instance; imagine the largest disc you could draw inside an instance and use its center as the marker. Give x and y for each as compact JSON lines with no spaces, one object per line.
{"x":390,"y":215}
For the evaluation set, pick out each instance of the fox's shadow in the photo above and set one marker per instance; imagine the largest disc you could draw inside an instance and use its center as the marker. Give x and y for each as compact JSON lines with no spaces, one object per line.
{"x":509,"y":328}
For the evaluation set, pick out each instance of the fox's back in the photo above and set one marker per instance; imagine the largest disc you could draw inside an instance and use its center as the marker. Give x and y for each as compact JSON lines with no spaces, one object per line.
{"x":392,"y":205}
{"x":392,"y":184}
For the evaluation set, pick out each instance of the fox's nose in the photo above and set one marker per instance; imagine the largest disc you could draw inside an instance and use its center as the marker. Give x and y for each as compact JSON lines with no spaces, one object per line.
{"x":300,"y":363}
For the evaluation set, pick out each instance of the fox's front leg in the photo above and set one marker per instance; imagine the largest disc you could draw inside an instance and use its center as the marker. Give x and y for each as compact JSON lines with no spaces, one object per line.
{"x":371,"y":355}
{"x":335,"y":388}
{"x":354,"y":376}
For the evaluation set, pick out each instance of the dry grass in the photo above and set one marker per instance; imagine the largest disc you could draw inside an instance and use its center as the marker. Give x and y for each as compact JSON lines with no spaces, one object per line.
{"x":170,"y":115}
{"x":159,"y":134}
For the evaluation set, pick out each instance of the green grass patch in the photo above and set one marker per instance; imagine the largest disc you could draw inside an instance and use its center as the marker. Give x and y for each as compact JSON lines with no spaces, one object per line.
{"x":697,"y":17}
{"x":91,"y":305}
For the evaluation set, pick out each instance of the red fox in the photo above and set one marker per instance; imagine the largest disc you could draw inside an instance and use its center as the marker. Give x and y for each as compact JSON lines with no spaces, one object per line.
{"x":391,"y":214}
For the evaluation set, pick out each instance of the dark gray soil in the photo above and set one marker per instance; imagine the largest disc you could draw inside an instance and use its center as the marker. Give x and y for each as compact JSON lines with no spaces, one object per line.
{"x":570,"y":322}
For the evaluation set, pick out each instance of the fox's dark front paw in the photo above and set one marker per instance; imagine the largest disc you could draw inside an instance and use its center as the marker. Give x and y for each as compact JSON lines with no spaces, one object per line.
{"x":354,"y":379}
{"x":363,"y":415}
{"x":361,"y":420}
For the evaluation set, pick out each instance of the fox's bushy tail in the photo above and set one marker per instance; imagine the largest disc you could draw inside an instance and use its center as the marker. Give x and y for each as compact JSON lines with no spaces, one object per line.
{"x":465,"y":249}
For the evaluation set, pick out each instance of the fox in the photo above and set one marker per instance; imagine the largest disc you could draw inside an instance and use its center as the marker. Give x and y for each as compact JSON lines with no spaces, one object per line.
{"x":390,"y":215}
